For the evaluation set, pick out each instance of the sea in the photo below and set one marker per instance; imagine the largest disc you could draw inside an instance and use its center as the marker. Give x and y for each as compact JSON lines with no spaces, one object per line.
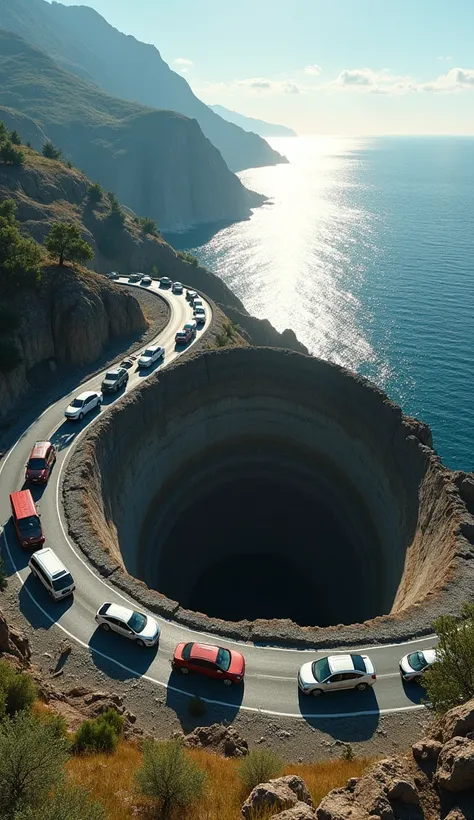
{"x":365,"y":249}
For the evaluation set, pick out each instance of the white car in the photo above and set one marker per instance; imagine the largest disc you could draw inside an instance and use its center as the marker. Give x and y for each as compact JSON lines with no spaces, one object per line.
{"x":146,"y":280}
{"x":140,"y":628}
{"x":177,"y":288}
{"x":151,"y":355}
{"x":83,"y":404}
{"x":113,"y":275}
{"x":336,"y":672}
{"x":199,"y":315}
{"x":165,"y":281}
{"x":191,"y":295}
{"x":197,"y":302}
{"x":413,"y":665}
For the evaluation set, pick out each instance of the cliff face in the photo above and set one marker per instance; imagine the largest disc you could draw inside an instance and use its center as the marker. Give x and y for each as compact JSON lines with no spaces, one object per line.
{"x":46,"y":190}
{"x":82,"y":42}
{"x":159,"y":163}
{"x":69,"y":320}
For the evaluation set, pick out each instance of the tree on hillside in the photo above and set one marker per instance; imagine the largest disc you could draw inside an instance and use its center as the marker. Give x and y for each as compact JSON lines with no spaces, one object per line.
{"x":169,"y":777}
{"x":20,"y":258}
{"x":116,"y":216}
{"x":69,"y":802}
{"x":450,"y":681}
{"x":148,"y":225}
{"x":3,"y":131}
{"x":65,"y":241}
{"x":31,"y":763}
{"x":95,"y":192}
{"x":11,"y":155}
{"x":15,"y":138}
{"x":50,"y":151}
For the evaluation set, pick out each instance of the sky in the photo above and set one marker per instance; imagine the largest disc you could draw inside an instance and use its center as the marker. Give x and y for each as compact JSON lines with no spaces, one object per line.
{"x":318,"y":66}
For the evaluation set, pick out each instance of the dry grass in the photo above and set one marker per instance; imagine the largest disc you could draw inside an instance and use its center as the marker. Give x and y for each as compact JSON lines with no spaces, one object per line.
{"x":109,"y":778}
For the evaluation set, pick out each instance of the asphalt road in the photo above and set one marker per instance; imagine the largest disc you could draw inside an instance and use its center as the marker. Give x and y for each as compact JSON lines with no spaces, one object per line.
{"x":270,"y":684}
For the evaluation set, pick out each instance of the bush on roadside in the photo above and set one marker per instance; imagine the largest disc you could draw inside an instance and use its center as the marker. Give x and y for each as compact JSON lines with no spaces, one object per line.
{"x":18,"y":689}
{"x":259,"y":766}
{"x":169,"y":777}
{"x":31,"y":763}
{"x":450,"y":681}
{"x":100,"y":734}
{"x":68,"y":802}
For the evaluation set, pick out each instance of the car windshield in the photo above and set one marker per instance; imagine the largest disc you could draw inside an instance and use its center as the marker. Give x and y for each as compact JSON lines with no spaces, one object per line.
{"x":62,"y":582}
{"x":223,"y":659}
{"x":112,"y":376}
{"x":148,"y":352}
{"x":36,"y":464}
{"x":77,"y":403}
{"x":187,"y":651}
{"x":137,"y":621}
{"x":29,"y":526}
{"x":417,"y":661}
{"x":321,"y":669}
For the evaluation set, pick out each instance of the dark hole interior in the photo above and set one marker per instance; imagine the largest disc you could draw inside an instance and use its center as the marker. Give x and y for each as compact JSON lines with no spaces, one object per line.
{"x":265,"y":545}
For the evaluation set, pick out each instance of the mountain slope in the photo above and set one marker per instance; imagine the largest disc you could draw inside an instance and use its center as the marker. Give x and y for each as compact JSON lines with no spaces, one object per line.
{"x":84,"y":43}
{"x":157,"y":162}
{"x":260,"y":127}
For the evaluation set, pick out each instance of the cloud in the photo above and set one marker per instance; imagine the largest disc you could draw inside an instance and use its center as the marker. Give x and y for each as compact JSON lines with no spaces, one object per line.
{"x":264,"y":85}
{"x":313,"y":70}
{"x":456,"y":79}
{"x":445,"y":59}
{"x":291,"y":88}
{"x":183,"y":61}
{"x":358,"y":76}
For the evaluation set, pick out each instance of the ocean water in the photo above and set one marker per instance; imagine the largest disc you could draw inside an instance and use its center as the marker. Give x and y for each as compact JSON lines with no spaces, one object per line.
{"x":366,"y":250}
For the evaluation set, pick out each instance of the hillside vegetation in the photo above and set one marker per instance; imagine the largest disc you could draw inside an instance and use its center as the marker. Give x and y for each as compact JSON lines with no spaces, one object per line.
{"x":157,"y":162}
{"x":82,"y":42}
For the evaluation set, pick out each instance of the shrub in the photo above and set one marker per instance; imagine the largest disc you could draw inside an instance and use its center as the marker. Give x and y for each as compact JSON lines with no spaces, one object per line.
{"x":100,"y":734}
{"x":348,"y":752}
{"x":450,"y":681}
{"x":155,"y":273}
{"x":169,"y":777}
{"x":15,"y":138}
{"x":3,"y":131}
{"x":11,"y":155}
{"x":227,"y":334}
{"x":259,"y":766}
{"x":8,"y":210}
{"x":116,"y":217}
{"x":18,"y":687}
{"x":95,"y":192}
{"x":65,"y":241}
{"x":31,"y":763}
{"x":68,"y":802}
{"x":188,"y":257}
{"x":69,"y":164}
{"x":57,"y":723}
{"x":50,"y":151}
{"x":196,"y":706}
{"x":148,"y":225}
{"x":19,"y":257}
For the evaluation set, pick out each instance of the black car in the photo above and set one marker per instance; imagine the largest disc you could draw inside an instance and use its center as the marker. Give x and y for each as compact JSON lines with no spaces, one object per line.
{"x":114,"y":380}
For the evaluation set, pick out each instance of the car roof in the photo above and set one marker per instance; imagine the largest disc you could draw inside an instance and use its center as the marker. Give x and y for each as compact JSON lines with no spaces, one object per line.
{"x":40,"y":449}
{"x":341,"y":663}
{"x":50,"y":561}
{"x":430,"y":655}
{"x":151,"y":347}
{"x":204,"y":652}
{"x":23,"y":504}
{"x":86,"y":395}
{"x":117,"y":611}
{"x":113,"y":370}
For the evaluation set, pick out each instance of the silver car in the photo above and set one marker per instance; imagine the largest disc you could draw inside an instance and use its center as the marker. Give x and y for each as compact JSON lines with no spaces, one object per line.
{"x":413,"y":665}
{"x":140,"y":628}
{"x":335,"y":673}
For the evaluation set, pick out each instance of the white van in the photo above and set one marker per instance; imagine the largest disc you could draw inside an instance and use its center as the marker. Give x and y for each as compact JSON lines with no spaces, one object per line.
{"x":45,"y":565}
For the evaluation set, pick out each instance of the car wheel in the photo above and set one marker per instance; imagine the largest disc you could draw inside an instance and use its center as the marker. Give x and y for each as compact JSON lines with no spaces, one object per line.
{"x":361,"y":687}
{"x":227,"y":682}
{"x":105,"y":627}
{"x":316,"y":693}
{"x":139,"y":642}
{"x":81,"y":416}
{"x":183,"y":670}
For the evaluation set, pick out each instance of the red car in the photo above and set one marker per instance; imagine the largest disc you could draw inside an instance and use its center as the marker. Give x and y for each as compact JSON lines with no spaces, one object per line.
{"x":213,"y":661}
{"x":40,"y":462}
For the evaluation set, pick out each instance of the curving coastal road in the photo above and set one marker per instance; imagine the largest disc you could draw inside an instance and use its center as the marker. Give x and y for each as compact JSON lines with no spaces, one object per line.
{"x":270,"y":683}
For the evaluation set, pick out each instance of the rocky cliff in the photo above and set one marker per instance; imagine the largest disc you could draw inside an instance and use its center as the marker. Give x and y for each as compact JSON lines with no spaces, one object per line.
{"x":82,"y":42}
{"x":68,"y":320}
{"x":158,"y":163}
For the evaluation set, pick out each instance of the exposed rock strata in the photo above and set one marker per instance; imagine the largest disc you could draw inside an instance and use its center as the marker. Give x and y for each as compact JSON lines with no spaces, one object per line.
{"x":13,"y":642}
{"x":419,"y":516}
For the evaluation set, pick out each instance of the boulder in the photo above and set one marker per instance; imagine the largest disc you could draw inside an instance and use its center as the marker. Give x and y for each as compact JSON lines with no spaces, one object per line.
{"x":458,"y":722}
{"x":403,"y":791}
{"x":301,"y":811}
{"x":340,"y":805}
{"x":277,"y":796}
{"x":427,"y":749}
{"x":13,"y":641}
{"x":455,"y":769}
{"x":218,"y":738}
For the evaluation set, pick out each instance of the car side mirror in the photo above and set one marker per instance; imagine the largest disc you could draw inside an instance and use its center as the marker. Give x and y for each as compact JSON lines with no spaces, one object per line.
{"x":219,"y":671}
